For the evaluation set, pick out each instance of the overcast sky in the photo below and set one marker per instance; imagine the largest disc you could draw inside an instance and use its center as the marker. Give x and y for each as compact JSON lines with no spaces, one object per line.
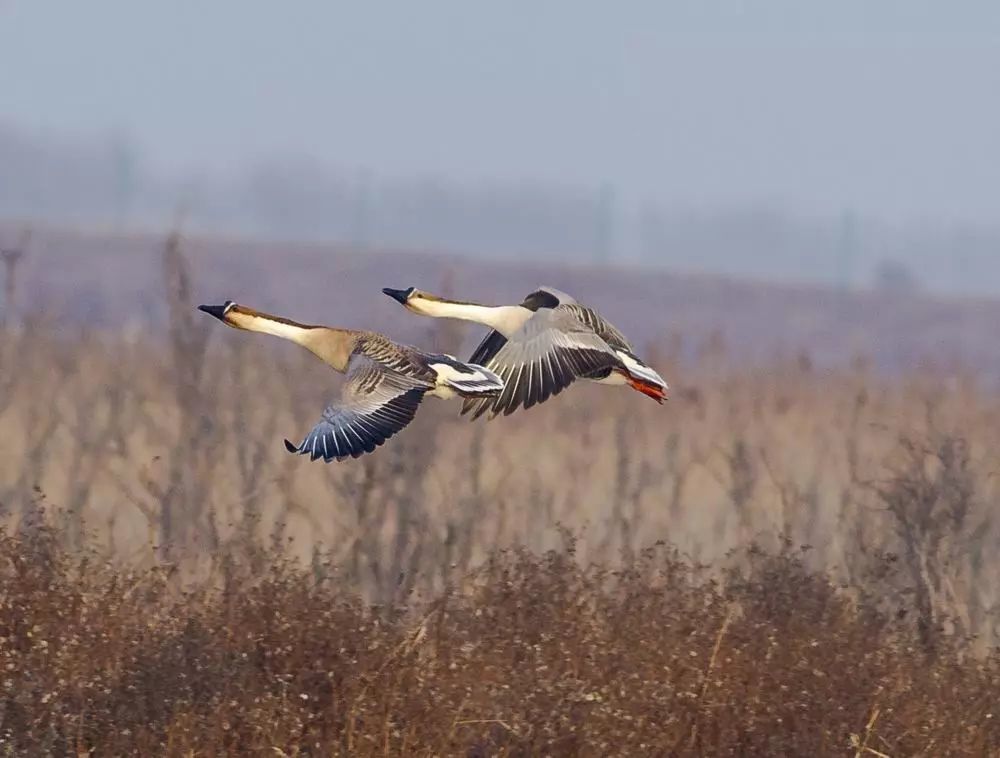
{"x":886,"y":107}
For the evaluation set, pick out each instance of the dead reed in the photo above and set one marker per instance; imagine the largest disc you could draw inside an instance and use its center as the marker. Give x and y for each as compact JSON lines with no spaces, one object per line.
{"x":537,"y":655}
{"x":197,"y":589}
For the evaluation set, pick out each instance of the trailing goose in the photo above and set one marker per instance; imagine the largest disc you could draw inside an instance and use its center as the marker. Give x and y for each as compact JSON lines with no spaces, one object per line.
{"x":385,"y":381}
{"x":540,"y":346}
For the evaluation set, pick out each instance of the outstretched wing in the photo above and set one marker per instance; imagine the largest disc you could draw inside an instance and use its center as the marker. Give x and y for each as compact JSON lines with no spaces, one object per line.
{"x":551,"y":298}
{"x":601,"y":326}
{"x":488,"y":348}
{"x":375,"y":404}
{"x":543,"y":297}
{"x":549,"y":353}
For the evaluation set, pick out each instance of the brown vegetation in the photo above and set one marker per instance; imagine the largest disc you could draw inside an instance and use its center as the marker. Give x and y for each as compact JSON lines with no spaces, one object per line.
{"x":536,"y":656}
{"x":173,"y":581}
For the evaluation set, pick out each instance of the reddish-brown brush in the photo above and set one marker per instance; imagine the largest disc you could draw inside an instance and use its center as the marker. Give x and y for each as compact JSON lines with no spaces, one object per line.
{"x":537,"y":656}
{"x":171,"y":581}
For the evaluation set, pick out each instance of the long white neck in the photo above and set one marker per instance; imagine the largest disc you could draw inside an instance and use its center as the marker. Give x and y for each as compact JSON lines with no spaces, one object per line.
{"x":506,"y":319}
{"x":333,"y":346}
{"x":264,"y":324}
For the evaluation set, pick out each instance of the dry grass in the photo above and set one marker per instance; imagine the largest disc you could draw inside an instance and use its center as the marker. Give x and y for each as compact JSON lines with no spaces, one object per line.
{"x":197,"y":589}
{"x":537,"y":656}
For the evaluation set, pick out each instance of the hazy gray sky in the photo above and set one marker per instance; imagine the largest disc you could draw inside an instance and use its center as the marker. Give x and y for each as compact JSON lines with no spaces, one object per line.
{"x":889,"y":107}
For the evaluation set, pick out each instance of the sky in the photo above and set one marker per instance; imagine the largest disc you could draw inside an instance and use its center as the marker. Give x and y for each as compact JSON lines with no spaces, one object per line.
{"x":885,"y":107}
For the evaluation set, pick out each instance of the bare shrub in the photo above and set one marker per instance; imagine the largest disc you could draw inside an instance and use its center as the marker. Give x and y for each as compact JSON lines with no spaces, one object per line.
{"x":166,"y":448}
{"x":198,"y":589}
{"x":538,"y":656}
{"x":930,"y":496}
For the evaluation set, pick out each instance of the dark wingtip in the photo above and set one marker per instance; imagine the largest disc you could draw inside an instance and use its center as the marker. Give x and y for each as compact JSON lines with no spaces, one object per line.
{"x":400,"y":296}
{"x":290,"y":447}
{"x":218,"y":311}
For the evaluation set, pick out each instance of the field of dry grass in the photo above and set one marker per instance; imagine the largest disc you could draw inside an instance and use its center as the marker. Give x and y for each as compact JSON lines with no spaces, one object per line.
{"x":787,"y":560}
{"x":536,"y":655}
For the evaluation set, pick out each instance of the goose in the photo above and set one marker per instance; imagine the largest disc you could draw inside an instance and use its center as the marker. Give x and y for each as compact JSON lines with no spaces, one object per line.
{"x":385,"y":380}
{"x":540,"y":346}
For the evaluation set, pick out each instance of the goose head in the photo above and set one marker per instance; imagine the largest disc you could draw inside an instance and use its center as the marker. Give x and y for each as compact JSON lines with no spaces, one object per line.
{"x":415,"y":301}
{"x":219,"y":311}
{"x":400,"y":296}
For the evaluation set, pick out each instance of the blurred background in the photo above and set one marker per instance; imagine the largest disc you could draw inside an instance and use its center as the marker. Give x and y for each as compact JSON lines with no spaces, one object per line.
{"x":852,"y":145}
{"x":793,"y":209}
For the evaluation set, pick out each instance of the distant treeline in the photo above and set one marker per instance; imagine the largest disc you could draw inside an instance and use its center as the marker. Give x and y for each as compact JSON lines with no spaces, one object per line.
{"x":107,"y":182}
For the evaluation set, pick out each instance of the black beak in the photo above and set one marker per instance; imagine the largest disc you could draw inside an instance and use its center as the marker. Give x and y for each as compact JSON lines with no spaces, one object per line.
{"x":219,"y":311}
{"x":400,"y":296}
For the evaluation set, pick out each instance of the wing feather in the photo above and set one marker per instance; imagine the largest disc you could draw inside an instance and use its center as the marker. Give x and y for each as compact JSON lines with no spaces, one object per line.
{"x":489,"y":347}
{"x":376,"y":402}
{"x":601,"y":326}
{"x":553,"y":349}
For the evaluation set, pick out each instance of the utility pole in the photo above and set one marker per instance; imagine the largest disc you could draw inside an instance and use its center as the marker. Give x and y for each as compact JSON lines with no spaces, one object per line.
{"x":123,"y":166}
{"x":11,"y":257}
{"x":847,"y":249}
{"x":362,"y":211}
{"x":605,"y":226}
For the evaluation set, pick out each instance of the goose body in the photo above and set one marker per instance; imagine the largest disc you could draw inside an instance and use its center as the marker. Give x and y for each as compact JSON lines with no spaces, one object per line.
{"x":386,"y":381}
{"x":541,"y":346}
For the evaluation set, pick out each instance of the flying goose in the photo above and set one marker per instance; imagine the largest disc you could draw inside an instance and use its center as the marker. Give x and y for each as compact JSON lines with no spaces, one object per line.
{"x":539,"y":347}
{"x":385,"y":381}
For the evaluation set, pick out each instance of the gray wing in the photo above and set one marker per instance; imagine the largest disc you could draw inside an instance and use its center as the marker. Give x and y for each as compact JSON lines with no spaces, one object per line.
{"x":488,"y":348}
{"x":374,"y":405}
{"x":604,"y":328}
{"x":550,"y":352}
{"x":408,"y":361}
{"x":551,"y":298}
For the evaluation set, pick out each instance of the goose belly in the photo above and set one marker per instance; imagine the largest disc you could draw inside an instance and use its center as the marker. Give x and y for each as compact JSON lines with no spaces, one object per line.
{"x":614,"y":378}
{"x":442,"y":391}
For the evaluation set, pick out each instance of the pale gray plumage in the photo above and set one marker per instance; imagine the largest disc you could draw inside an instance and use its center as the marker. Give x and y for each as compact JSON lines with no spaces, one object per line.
{"x":385,"y":383}
{"x":541,"y":346}
{"x":541,"y":359}
{"x":375,"y":404}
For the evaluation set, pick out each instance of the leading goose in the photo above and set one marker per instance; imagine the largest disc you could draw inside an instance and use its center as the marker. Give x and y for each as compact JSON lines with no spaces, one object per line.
{"x":540,"y":346}
{"x":385,"y":381}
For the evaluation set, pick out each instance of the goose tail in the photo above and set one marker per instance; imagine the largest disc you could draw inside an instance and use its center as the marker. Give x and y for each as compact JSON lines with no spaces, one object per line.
{"x":642,"y":378}
{"x":480,"y":383}
{"x":468,"y":380}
